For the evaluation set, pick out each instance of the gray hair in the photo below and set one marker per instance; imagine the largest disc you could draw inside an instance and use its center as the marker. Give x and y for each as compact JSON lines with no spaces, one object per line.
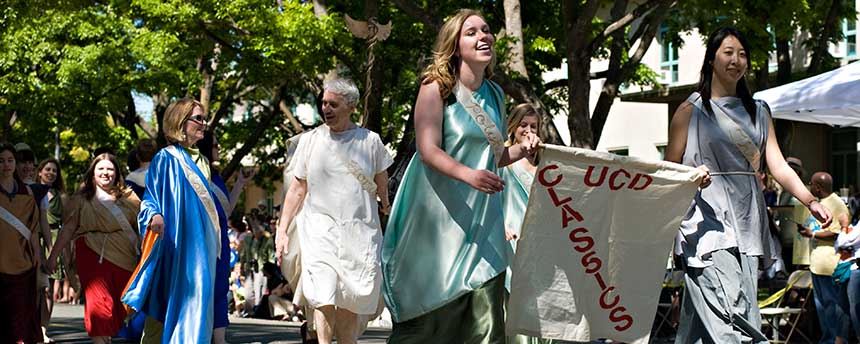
{"x":344,"y":88}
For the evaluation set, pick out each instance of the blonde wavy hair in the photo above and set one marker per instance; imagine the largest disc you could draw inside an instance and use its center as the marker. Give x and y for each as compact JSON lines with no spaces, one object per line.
{"x":444,"y":67}
{"x":175,"y":116}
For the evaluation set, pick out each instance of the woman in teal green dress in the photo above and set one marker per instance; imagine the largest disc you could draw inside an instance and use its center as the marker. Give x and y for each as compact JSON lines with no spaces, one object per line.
{"x":523,"y":121}
{"x":444,"y":252}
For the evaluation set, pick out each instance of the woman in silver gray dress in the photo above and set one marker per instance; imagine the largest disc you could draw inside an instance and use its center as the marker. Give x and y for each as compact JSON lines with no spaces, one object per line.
{"x":723,"y":131}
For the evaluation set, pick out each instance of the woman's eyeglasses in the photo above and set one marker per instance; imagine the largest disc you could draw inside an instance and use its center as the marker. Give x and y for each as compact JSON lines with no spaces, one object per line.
{"x":199,"y":119}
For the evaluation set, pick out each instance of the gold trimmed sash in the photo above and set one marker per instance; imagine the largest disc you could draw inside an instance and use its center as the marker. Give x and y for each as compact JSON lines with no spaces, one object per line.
{"x":201,"y":191}
{"x":354,"y":169}
{"x":736,"y":134}
{"x":488,"y":127}
{"x":120,"y":218}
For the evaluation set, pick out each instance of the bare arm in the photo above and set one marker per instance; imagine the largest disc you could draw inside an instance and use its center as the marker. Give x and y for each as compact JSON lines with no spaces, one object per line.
{"x":428,"y":136}
{"x":238,"y":186}
{"x":67,"y":231}
{"x":520,"y":150}
{"x":678,"y":133}
{"x":381,"y":180}
{"x":292,"y":202}
{"x":789,"y":180}
{"x":678,"y":139}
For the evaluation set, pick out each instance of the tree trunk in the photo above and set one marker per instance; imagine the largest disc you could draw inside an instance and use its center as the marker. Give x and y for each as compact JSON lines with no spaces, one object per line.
{"x":578,"y":33}
{"x":252,"y":140}
{"x":819,"y":50}
{"x":130,"y":118}
{"x":523,"y":93}
{"x":161,"y":102}
{"x":515,"y":61}
{"x":761,"y":78}
{"x":6,"y":125}
{"x":319,"y":8}
{"x":613,"y":75}
{"x":783,"y":61}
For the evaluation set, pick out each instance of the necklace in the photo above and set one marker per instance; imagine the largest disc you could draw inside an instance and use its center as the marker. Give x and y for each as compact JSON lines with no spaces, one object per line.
{"x":10,"y":194}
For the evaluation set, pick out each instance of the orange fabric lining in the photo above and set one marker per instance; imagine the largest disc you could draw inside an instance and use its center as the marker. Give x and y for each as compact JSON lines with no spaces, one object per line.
{"x":149,"y":241}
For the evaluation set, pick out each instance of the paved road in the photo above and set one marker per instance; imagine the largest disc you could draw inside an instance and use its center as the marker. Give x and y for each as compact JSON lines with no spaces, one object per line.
{"x":67,"y":326}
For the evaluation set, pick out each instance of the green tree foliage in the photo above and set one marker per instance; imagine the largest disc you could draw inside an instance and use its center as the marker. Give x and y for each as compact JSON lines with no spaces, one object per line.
{"x":72,"y":67}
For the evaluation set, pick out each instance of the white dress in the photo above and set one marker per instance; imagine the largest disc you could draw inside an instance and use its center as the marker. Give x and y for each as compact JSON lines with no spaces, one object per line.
{"x":338,"y":226}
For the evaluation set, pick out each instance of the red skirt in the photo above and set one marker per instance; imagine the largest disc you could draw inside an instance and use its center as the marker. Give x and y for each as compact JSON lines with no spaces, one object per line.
{"x":19,"y":318}
{"x":103,"y":284}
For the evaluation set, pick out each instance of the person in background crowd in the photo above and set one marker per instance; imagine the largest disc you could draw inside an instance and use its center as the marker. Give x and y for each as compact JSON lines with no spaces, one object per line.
{"x":136,"y":180}
{"x":725,"y":233}
{"x":209,"y":148}
{"x":519,"y":176}
{"x":102,"y":220}
{"x":257,"y":249}
{"x":280,"y":297}
{"x":48,"y":175}
{"x":19,"y":254}
{"x":444,"y":252}
{"x":832,"y":308}
{"x":26,"y":168}
{"x":181,"y":220}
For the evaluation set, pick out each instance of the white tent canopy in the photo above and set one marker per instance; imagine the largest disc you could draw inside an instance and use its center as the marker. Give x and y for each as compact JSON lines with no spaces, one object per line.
{"x":832,"y":98}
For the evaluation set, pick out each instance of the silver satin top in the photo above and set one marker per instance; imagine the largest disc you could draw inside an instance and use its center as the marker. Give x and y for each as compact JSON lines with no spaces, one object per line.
{"x":731,"y":211}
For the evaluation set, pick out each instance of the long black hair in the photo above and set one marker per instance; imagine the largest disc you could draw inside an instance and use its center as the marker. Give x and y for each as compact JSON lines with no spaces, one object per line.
{"x":743,"y":92}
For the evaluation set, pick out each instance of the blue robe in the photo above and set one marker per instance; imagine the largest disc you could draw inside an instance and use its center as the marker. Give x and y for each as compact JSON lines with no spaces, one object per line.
{"x":174,"y":280}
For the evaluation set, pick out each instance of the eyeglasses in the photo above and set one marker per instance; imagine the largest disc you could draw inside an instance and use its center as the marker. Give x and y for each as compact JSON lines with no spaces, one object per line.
{"x":199,"y":119}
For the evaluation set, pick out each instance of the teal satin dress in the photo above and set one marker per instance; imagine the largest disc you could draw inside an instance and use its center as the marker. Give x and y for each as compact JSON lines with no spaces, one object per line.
{"x":445,"y":239}
{"x":518,"y":184}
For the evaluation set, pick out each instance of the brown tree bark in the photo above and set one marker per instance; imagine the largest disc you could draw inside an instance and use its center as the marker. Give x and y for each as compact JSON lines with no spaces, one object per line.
{"x":578,"y":34}
{"x":515,"y":61}
{"x":319,"y":8}
{"x":819,"y":50}
{"x":783,"y":61}
{"x":251,"y":141}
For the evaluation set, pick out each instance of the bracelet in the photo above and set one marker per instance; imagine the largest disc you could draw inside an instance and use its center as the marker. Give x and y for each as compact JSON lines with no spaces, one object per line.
{"x":809,"y":204}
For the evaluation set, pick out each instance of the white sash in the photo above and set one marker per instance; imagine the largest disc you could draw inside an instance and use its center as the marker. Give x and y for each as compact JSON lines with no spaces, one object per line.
{"x":354,"y":169}
{"x":736,"y":134}
{"x":120,"y":218}
{"x":488,"y":127}
{"x":15,"y":223}
{"x":200,"y":188}
{"x":222,"y":197}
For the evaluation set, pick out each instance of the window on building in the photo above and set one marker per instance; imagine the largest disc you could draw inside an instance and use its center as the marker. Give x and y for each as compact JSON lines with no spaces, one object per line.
{"x":849,"y":30}
{"x":844,"y":157}
{"x":668,"y":57}
{"x":620,"y":151}
{"x":662,"y":150}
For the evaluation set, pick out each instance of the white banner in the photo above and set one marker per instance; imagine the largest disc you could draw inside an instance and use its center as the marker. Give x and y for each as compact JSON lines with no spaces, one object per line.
{"x":594,"y":244}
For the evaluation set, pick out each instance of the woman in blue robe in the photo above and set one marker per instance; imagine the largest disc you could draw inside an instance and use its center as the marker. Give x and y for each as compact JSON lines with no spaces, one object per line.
{"x":181,"y":221}
{"x":444,"y":252}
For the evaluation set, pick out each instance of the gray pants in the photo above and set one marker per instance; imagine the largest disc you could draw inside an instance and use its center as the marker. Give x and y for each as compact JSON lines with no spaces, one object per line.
{"x":720,"y":301}
{"x":255,"y":286}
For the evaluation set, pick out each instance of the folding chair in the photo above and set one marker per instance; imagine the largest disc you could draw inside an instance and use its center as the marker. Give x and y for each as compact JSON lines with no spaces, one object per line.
{"x":778,"y":315}
{"x":672,"y":282}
